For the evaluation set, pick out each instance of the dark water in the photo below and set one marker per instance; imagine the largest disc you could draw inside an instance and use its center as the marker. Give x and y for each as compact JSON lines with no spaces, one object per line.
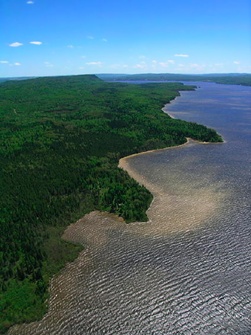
{"x":188,"y":271}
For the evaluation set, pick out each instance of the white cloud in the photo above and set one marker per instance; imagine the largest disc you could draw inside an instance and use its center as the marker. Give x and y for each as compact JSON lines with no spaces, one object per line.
{"x":141,"y":65}
{"x":236,"y":62}
{"x":94,"y":63}
{"x":180,"y":67}
{"x":119,"y":66}
{"x":30,"y":2}
{"x":181,"y":55}
{"x":90,"y":37}
{"x":48,"y":64}
{"x":163,"y":64}
{"x":142,"y":57}
{"x":36,"y":42}
{"x":104,"y":40}
{"x":15,"y":44}
{"x":70,"y":46}
{"x":17,"y":64}
{"x":154,"y":64}
{"x":197,"y":67}
{"x":4,"y":62}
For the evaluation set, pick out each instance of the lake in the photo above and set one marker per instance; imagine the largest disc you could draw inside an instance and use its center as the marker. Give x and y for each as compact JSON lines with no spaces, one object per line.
{"x":187,"y":270}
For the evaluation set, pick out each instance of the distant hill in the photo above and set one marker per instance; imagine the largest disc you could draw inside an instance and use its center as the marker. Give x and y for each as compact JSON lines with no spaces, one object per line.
{"x":228,"y":78}
{"x":220,"y":78}
{"x":14,"y":78}
{"x":3,"y":79}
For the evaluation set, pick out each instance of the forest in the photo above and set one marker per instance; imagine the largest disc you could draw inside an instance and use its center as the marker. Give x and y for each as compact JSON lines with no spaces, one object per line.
{"x":61,"y":140}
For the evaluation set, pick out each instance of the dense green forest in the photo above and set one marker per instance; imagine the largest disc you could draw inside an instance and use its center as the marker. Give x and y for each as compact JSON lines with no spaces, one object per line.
{"x":229,"y":78}
{"x":61,"y":139}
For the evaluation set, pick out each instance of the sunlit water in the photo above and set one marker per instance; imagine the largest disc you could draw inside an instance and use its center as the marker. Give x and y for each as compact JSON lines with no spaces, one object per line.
{"x":186,"y":271}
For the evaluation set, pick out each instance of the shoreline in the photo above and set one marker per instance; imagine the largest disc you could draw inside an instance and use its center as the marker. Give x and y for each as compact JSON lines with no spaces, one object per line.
{"x":188,"y":141}
{"x":123,"y":164}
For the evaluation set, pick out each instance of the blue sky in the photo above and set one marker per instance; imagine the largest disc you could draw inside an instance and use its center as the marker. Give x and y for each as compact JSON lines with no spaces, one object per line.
{"x":61,"y":37}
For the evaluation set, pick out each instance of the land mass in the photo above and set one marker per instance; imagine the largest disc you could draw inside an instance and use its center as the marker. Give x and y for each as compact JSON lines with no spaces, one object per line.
{"x":61,"y":141}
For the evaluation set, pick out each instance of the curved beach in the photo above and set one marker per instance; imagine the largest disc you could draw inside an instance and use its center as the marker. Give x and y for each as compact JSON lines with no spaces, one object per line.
{"x":169,"y":212}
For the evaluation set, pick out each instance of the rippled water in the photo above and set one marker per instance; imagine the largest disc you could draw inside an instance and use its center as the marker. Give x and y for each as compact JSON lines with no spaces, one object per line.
{"x":186,"y":271}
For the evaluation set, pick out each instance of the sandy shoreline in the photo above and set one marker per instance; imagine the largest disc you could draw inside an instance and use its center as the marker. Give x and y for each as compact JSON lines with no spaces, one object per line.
{"x":172,"y":213}
{"x":122,"y":162}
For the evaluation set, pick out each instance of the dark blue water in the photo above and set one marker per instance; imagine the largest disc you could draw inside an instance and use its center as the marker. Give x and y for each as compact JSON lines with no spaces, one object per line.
{"x":188,"y":270}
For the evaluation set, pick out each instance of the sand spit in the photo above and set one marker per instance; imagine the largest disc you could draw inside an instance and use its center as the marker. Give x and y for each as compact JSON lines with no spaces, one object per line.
{"x":172,"y":213}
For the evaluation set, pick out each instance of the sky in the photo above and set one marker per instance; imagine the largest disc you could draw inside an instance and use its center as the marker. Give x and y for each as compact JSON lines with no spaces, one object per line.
{"x":64,"y":37}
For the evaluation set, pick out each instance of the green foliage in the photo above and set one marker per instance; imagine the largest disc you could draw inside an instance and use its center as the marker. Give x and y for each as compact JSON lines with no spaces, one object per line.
{"x":22,"y":298}
{"x":61,"y":139}
{"x":58,"y":251}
